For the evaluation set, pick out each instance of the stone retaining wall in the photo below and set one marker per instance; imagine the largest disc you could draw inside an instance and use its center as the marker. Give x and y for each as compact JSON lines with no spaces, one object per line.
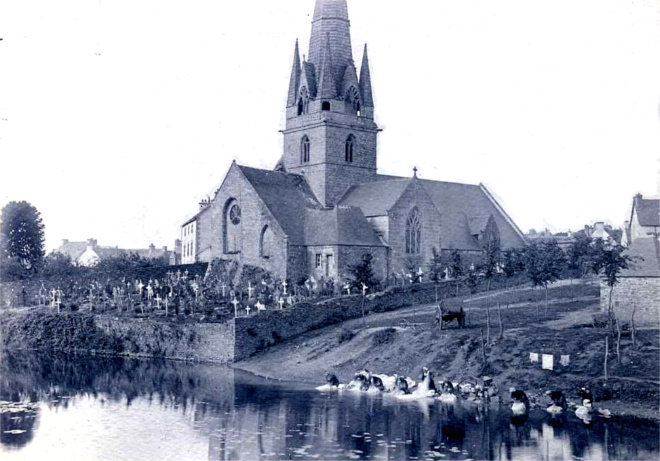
{"x":639,"y":293}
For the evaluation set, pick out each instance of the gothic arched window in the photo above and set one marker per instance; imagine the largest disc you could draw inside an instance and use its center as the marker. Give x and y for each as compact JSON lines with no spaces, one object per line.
{"x":304,"y":149}
{"x":232,"y":229}
{"x":266,"y":242}
{"x":350,"y":148}
{"x":413,"y":233}
{"x":325,"y":105}
{"x":303,"y":101}
{"x":353,"y":100}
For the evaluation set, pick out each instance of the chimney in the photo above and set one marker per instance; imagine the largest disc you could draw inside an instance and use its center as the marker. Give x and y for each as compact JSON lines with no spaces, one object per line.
{"x":152,"y":247}
{"x":599,"y":226}
{"x":65,"y":241}
{"x":165,"y":248}
{"x":177,"y":246}
{"x":570,"y":233}
{"x":91,"y":243}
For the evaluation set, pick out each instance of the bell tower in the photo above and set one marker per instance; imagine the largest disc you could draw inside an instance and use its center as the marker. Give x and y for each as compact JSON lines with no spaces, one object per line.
{"x":330,"y":135}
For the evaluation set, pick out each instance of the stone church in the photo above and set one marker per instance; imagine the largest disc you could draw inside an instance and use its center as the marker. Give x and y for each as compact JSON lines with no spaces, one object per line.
{"x":324,"y":206}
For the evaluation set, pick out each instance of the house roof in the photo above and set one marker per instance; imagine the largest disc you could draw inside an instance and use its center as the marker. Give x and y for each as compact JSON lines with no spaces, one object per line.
{"x":339,"y":226}
{"x":72,"y":249}
{"x":648,"y":211}
{"x":195,"y":216}
{"x":286,"y":196}
{"x":478,"y":224}
{"x":646,"y":251}
{"x":76,"y":249}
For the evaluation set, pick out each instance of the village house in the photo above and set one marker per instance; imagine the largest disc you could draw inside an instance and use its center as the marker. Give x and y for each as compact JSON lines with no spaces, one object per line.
{"x":325,"y":206}
{"x":90,"y":253}
{"x":644,"y":219}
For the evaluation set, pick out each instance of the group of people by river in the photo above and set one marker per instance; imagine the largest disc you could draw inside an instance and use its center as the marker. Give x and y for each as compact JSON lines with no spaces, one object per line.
{"x":479,"y":393}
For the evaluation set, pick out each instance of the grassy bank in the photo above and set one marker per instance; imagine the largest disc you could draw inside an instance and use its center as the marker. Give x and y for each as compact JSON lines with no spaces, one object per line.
{"x":384,"y":346}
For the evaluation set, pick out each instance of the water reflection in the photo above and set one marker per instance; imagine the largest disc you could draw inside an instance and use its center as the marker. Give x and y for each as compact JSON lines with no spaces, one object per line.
{"x":105,"y":408}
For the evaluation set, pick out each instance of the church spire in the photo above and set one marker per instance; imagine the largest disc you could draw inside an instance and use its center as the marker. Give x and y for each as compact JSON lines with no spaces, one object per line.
{"x":331,"y":17}
{"x":327,"y":88}
{"x":365,"y":81}
{"x":294,"y":83}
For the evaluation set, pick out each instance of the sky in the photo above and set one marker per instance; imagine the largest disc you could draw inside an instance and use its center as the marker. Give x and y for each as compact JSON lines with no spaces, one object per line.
{"x":118,"y":117}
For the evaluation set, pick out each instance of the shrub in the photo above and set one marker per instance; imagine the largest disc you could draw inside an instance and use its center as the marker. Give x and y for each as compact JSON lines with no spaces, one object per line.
{"x":345,"y":335}
{"x":385,"y":336}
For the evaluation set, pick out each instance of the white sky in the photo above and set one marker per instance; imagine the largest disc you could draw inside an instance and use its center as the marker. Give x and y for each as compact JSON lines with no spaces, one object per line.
{"x":117,"y":117}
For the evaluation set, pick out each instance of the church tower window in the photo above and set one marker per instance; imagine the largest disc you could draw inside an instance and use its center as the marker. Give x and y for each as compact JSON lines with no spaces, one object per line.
{"x":303,"y":101}
{"x":350,"y":147}
{"x":304,"y":150}
{"x":232,"y":231}
{"x":353,"y":101}
{"x":325,"y":105}
{"x":413,"y":238}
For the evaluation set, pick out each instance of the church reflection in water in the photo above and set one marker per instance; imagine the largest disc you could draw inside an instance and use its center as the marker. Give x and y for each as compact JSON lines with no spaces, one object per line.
{"x":239,"y":416}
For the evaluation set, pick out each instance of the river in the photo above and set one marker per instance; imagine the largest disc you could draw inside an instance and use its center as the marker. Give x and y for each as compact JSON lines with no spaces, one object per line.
{"x":97,"y":408}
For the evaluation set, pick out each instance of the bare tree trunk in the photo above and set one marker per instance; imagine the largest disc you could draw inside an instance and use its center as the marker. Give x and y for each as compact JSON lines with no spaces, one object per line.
{"x":618,"y":342}
{"x":487,"y":324}
{"x":483,"y":347}
{"x":632,"y":327}
{"x":546,"y":302}
{"x":364,"y":319}
{"x":607,"y":351}
{"x":499,"y":314}
{"x":609,"y":311}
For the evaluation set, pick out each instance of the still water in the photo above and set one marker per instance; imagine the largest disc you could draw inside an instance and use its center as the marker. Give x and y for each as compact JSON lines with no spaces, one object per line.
{"x":63,"y":407}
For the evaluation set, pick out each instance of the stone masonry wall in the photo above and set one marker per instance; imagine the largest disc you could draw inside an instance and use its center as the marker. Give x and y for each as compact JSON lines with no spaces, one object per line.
{"x":640,"y":292}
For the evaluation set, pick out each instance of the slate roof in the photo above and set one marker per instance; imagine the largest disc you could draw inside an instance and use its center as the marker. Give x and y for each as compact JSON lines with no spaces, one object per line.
{"x":195,"y":216}
{"x":292,"y":203}
{"x":286,"y":196}
{"x":478,"y":224}
{"x":72,"y":249}
{"x":339,"y":226}
{"x":375,"y":198}
{"x":648,"y":211}
{"x":457,"y":204}
{"x":647,"y":252}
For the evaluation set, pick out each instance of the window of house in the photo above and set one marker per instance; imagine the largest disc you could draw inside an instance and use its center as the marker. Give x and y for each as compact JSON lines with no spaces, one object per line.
{"x":350,"y":147}
{"x":304,"y":149}
{"x":318,"y":261}
{"x":413,"y":237}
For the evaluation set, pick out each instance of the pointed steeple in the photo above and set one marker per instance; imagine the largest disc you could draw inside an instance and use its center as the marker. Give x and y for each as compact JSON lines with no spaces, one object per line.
{"x":327,"y":89}
{"x":365,"y":81}
{"x":294,"y":83}
{"x":331,"y":17}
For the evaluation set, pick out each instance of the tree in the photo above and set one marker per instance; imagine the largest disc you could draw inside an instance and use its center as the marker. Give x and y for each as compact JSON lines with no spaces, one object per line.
{"x":363,"y":273}
{"x":544,"y":264}
{"x":597,"y":249}
{"x":578,"y":255}
{"x":613,"y":261}
{"x":434,"y":269}
{"x":22,"y":236}
{"x":456,"y":268}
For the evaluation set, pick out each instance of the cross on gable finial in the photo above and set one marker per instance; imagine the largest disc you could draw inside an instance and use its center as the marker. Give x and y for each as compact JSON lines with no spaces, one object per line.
{"x":415,"y":171}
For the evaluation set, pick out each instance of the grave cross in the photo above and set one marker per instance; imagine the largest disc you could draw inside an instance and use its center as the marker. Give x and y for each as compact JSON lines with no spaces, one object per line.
{"x":158,"y":299}
{"x":347,"y":287}
{"x":281,"y":303}
{"x":59,"y":299}
{"x":53,"y":296}
{"x":364,"y":289}
{"x":235,"y":303}
{"x":223,"y":289}
{"x":284,"y":285}
{"x":250,"y":289}
{"x":248,"y":309}
{"x":420,"y":273}
{"x":260,"y":307}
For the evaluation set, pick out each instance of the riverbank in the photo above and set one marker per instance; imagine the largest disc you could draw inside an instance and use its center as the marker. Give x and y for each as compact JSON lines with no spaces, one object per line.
{"x":385,"y":346}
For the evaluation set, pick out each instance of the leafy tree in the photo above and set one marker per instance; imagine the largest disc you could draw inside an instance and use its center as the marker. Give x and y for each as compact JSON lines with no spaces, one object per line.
{"x":456,"y":268}
{"x":363,"y":273}
{"x":578,"y":255}
{"x":22,"y":236}
{"x":597,"y":249}
{"x":58,"y":264}
{"x":434,"y":269}
{"x":543,"y":264}
{"x":613,"y":261}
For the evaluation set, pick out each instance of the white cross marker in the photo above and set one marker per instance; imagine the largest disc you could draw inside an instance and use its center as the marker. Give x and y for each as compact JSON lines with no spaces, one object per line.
{"x":284,"y":285}
{"x":223,"y":289}
{"x":250,"y":290}
{"x":235,"y":303}
{"x":248,"y":310}
{"x":158,"y":301}
{"x":260,"y":307}
{"x":281,"y":303}
{"x":420,"y":273}
{"x":347,"y":287}
{"x":364,"y":289}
